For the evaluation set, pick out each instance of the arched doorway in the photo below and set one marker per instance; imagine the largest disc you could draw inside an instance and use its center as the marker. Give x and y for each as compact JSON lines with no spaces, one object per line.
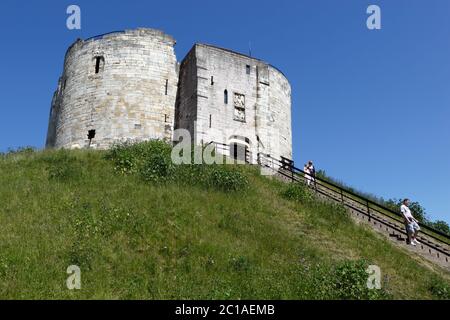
{"x":240,"y":149}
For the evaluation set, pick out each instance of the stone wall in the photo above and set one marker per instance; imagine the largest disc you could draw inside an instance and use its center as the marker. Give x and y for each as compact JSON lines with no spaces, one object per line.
{"x":186,"y":107}
{"x":128,"y":86}
{"x":256,"y":111}
{"x":122,"y":85}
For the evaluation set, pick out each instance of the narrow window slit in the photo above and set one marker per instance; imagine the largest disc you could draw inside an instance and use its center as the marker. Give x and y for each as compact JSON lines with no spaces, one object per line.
{"x":99,"y":63}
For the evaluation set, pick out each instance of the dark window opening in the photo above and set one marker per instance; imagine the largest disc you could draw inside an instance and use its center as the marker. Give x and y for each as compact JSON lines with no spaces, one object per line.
{"x":91,"y":135}
{"x":248,"y":69}
{"x":65,"y":83}
{"x":99,"y":62}
{"x":225,"y":96}
{"x":167,"y":85}
{"x":210,"y":121}
{"x":212,"y":80}
{"x":166,"y":118}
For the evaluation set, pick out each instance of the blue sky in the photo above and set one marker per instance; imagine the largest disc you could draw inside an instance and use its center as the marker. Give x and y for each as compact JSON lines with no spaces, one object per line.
{"x":372,"y":108}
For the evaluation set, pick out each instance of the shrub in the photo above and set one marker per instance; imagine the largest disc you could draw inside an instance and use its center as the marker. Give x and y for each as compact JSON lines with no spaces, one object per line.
{"x":350,"y":282}
{"x":152,"y":161}
{"x":440,"y":289}
{"x":131,"y":157}
{"x":346,"y":280}
{"x":297,"y":192}
{"x":18,"y":153}
{"x":441,"y":226}
{"x":157,"y":168}
{"x":225,"y":178}
{"x":21,"y":150}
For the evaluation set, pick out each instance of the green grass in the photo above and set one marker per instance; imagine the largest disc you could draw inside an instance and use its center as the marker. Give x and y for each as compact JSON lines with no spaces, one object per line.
{"x":180,"y":239}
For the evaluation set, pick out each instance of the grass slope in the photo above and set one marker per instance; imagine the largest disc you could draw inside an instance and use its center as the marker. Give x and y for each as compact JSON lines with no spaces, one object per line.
{"x":138,"y":240}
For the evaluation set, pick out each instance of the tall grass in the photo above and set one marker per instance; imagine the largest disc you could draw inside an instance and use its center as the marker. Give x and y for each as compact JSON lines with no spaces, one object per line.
{"x":190,"y":236}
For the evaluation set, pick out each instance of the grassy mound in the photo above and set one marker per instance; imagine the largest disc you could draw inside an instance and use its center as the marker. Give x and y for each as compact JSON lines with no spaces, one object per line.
{"x":140,"y":227}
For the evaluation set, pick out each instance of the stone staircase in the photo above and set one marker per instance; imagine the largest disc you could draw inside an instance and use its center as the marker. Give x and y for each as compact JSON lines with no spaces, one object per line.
{"x":431,"y":247}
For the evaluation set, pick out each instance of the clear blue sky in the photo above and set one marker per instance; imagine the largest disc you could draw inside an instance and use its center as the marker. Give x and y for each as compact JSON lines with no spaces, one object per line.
{"x":372,"y":108}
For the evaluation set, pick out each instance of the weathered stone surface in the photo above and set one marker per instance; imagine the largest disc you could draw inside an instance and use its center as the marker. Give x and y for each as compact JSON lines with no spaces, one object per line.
{"x":126,"y":99}
{"x":256,"y":113}
{"x":125,"y":86}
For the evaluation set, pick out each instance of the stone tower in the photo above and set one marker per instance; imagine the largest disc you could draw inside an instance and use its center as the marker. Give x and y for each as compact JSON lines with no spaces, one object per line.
{"x":235,"y":100}
{"x":128,"y":86}
{"x":116,"y":86}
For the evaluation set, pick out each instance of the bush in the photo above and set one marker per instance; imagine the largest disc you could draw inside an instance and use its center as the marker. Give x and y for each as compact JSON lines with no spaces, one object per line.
{"x":152,"y":161}
{"x":157,"y":168}
{"x":297,"y":192}
{"x":350,"y":282}
{"x":440,"y":289}
{"x":18,"y":154}
{"x":131,"y":157}
{"x":225,"y":178}
{"x":21,"y":150}
{"x":441,"y":226}
{"x":347,"y":281}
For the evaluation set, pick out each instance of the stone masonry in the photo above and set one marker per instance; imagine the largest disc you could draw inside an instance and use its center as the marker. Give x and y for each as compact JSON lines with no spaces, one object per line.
{"x":231,"y":98}
{"x":129,"y":86}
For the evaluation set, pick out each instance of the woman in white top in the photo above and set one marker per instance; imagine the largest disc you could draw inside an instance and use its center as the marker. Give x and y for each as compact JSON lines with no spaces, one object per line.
{"x":307,"y":174}
{"x":312,"y":172}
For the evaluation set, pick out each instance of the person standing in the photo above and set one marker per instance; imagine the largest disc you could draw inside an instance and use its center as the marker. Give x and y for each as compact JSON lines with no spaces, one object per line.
{"x":312,"y":172}
{"x":411,"y":224}
{"x":307,"y":174}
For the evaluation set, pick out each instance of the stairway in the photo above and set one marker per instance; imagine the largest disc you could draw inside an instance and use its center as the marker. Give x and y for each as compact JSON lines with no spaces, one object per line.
{"x":431,"y":247}
{"x":435,"y":246}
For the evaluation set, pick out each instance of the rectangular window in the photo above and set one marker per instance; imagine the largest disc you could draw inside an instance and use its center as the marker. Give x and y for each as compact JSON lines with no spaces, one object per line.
{"x":248,"y":69}
{"x":239,"y":107}
{"x":212,"y":80}
{"x":167,"y":85}
{"x":210,"y":121}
